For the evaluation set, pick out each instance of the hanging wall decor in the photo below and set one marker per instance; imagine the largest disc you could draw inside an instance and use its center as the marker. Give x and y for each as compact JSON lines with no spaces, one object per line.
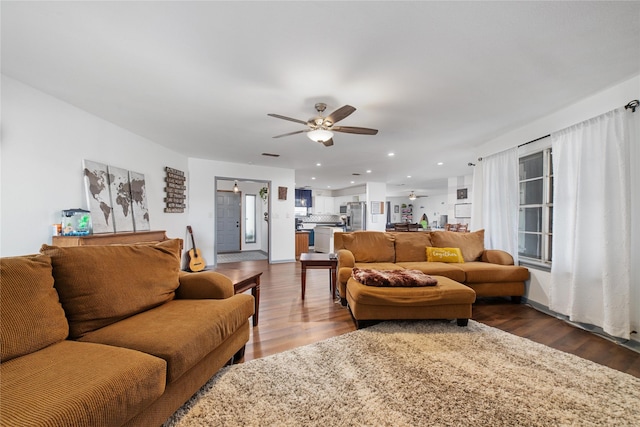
{"x":175,"y":199}
{"x":116,"y":198}
{"x":139,"y":201}
{"x":282,"y":193}
{"x":120,"y":199}
{"x":96,"y":183}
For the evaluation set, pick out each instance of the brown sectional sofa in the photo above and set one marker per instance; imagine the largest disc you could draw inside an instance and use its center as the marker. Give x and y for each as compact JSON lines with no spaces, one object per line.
{"x":111,"y":335}
{"x":487,"y":272}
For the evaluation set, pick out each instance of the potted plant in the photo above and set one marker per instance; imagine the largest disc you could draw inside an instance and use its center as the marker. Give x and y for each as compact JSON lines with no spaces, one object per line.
{"x":264,"y":193}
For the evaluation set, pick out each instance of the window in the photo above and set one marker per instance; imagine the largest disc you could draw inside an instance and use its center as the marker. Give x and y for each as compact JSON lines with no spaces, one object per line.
{"x":250,"y":218}
{"x":535,"y":219}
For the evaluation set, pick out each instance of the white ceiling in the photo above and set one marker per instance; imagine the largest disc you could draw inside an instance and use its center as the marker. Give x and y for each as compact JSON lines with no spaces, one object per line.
{"x":436,"y":78}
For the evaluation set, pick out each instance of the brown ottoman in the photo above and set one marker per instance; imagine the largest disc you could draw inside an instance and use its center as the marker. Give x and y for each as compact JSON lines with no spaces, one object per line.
{"x":447,"y":300}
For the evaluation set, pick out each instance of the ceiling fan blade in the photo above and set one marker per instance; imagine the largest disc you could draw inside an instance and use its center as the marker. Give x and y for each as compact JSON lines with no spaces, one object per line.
{"x":278,"y":116}
{"x":351,"y":129}
{"x":340,"y":114}
{"x":328,"y":143}
{"x":290,"y":133}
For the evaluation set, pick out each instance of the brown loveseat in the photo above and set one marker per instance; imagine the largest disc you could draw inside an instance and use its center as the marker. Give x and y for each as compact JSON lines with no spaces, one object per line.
{"x":111,"y":335}
{"x":487,"y":272}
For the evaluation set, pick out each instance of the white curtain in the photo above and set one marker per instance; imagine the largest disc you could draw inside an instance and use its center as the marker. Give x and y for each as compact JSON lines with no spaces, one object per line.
{"x":590,"y":274}
{"x":500,"y":201}
{"x":476,"y":222}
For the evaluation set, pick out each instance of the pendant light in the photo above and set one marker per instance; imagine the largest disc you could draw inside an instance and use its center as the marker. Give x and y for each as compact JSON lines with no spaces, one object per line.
{"x":235,"y":187}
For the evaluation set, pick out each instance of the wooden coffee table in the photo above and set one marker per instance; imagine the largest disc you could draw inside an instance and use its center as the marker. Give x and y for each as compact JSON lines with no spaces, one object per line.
{"x":318,"y":260}
{"x":243,"y":281}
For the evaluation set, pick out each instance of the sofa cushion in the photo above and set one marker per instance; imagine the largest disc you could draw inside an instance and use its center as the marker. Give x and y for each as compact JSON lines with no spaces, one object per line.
{"x":444,"y":255}
{"x":100,"y":285}
{"x":31,"y":315}
{"x":445,"y":292}
{"x":471,"y":244}
{"x":370,"y":246}
{"x":410,"y":246}
{"x":378,"y":266}
{"x":450,"y":270}
{"x":182,"y":332}
{"x":79,"y":384}
{"x":482,"y":272}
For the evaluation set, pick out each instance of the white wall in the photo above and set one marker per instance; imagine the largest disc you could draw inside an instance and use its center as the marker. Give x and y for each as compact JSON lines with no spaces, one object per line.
{"x":44,"y":141}
{"x":455,"y":184}
{"x":202,"y":175}
{"x":599,"y":103}
{"x":434,"y":206}
{"x":376,"y":192}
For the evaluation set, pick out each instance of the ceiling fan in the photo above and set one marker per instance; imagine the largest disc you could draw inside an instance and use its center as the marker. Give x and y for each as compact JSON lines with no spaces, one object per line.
{"x":321,"y":128}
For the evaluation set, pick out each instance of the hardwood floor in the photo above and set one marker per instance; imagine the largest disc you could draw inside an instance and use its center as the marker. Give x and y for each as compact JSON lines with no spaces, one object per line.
{"x":287,"y":321}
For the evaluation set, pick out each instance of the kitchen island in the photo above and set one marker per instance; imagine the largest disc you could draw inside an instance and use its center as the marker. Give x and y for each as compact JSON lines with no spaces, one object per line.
{"x":324,"y":238}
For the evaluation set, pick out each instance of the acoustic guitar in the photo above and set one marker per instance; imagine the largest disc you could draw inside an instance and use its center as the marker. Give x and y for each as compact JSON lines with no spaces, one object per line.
{"x":196,"y":262}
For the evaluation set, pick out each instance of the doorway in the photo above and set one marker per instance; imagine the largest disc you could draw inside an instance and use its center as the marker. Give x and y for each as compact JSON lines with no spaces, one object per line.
{"x":241,"y":220}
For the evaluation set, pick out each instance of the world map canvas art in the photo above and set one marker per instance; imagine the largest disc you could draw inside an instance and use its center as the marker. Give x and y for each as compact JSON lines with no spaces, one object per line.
{"x":121,"y":199}
{"x":116,"y":198}
{"x":139,"y":201}
{"x":96,"y":182}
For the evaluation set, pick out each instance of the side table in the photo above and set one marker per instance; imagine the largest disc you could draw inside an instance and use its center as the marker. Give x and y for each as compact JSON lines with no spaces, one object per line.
{"x":243,"y":281}
{"x":318,"y":260}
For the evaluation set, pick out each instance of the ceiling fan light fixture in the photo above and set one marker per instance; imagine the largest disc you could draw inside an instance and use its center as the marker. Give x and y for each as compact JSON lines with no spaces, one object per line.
{"x":412,"y":196}
{"x":320,"y":135}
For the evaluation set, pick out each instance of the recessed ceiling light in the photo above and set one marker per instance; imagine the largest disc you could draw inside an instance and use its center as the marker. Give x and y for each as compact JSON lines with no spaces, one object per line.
{"x":328,"y":186}
{"x":318,"y":164}
{"x":353,"y":182}
{"x":440,"y":163}
{"x":368,"y":170}
{"x":408,"y":176}
{"x":391,"y":154}
{"x":313,"y":177}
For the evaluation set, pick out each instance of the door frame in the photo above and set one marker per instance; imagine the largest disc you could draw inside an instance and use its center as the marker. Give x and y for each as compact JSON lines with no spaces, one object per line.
{"x":215,"y":214}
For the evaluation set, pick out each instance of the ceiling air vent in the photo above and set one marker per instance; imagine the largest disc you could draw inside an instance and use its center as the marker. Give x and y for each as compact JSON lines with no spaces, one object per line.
{"x":271,"y":155}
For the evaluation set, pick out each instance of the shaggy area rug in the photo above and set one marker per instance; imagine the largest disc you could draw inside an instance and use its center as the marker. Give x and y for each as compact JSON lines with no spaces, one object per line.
{"x":425,"y":373}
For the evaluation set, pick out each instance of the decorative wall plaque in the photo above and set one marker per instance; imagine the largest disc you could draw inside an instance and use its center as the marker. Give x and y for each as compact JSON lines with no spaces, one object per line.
{"x":282,"y":193}
{"x":175,"y":199}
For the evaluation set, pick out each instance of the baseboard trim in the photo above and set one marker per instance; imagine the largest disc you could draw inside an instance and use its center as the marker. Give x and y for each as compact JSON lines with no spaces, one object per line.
{"x":631,"y":344}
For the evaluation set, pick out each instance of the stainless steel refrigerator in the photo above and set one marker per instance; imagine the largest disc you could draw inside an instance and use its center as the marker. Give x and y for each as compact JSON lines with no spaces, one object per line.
{"x":356,"y":216}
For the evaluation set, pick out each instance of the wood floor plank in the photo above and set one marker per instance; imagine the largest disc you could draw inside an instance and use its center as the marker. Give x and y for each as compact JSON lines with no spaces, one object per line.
{"x":287,"y":321}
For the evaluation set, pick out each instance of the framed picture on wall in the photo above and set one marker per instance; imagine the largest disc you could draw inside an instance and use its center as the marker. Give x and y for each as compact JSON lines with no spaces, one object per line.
{"x":396,"y":209}
{"x":462,"y":193}
{"x":462,"y":210}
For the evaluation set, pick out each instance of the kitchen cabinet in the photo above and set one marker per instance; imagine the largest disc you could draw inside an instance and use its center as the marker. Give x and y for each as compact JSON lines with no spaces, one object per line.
{"x":303,"y":198}
{"x":302,"y":243}
{"x":323,"y":205}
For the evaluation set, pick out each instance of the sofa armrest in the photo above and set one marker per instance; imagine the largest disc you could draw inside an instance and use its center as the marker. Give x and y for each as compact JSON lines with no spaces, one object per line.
{"x":204,"y":285}
{"x":496,"y":256}
{"x":346,"y":259}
